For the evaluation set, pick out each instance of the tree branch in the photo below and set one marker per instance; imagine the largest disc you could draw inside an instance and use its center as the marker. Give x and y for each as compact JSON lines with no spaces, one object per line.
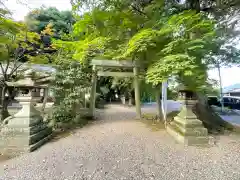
{"x":2,"y":83}
{"x":15,"y":69}
{"x":138,"y":10}
{"x":223,"y":6}
{"x":2,"y":70}
{"x":8,"y":61}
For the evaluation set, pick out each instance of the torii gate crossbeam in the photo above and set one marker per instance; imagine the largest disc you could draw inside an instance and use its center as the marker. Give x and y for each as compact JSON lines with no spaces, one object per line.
{"x":113,"y":64}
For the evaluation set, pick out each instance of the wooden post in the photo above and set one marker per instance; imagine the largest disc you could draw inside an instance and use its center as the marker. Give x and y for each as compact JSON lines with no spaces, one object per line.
{"x":93,"y":92}
{"x":137,"y":92}
{"x":158,"y":101}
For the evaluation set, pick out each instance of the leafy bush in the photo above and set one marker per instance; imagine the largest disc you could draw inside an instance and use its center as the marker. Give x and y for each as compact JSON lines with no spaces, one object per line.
{"x":71,"y":80}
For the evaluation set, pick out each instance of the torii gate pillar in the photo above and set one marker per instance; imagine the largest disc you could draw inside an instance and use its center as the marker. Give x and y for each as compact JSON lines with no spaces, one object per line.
{"x":93,"y":92}
{"x":137,"y":92}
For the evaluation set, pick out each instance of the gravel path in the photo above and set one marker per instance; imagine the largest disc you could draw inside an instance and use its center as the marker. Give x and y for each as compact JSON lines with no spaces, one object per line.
{"x":116,"y":148}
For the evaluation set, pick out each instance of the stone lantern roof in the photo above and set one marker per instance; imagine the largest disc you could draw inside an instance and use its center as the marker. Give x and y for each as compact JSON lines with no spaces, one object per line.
{"x":30,"y":80}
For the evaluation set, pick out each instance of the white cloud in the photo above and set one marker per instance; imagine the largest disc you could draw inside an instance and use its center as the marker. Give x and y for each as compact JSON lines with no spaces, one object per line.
{"x":230,"y":76}
{"x":20,"y":8}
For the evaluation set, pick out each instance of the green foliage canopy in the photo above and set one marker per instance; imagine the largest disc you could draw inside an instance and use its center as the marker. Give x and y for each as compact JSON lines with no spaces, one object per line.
{"x":62,"y":21}
{"x":167,"y":39}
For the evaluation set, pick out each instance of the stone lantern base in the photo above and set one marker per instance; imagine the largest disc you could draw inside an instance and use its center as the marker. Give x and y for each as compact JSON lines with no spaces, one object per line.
{"x":186,"y":128}
{"x":24,"y":132}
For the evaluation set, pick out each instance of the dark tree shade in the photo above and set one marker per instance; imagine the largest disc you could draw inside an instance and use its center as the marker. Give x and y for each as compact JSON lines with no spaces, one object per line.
{"x":46,"y":40}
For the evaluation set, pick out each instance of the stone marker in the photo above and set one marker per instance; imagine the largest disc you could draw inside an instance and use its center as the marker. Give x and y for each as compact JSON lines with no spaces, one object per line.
{"x":25,"y":131}
{"x":186,"y":127}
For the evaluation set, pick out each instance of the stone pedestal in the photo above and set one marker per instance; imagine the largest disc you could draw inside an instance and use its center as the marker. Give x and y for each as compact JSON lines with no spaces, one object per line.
{"x":25,"y":131}
{"x":185,"y":127}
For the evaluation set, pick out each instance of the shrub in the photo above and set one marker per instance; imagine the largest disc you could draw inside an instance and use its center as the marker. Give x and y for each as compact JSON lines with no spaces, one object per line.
{"x":71,"y":79}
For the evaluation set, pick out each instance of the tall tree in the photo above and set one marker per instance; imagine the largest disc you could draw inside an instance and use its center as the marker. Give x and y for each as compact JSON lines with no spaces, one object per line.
{"x":166,"y":37}
{"x":61,"y":21}
{"x":17,"y":47}
{"x":9,"y":57}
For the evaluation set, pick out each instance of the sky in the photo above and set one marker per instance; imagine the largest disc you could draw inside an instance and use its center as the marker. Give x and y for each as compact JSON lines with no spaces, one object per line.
{"x":230,"y":76}
{"x":20,"y":8}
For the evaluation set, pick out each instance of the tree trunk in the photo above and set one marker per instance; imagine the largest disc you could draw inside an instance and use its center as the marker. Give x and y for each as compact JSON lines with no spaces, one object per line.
{"x":130,"y":99}
{"x":4,"y":104}
{"x":194,"y":5}
{"x":158,"y":101}
{"x":220,"y":81}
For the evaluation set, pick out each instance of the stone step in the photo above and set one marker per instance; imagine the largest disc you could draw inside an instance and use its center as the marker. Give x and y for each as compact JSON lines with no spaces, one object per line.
{"x":21,"y":130}
{"x":39,"y":135}
{"x":15,"y":150}
{"x":187,"y":122}
{"x":37,"y":128}
{"x":186,"y":139}
{"x":190,"y":131}
{"x":24,"y":139}
{"x":13,"y":140}
{"x":201,"y":140}
{"x":39,"y":143}
{"x":12,"y":151}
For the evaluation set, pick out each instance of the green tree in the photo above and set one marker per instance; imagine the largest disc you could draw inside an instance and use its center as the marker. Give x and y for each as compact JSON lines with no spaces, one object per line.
{"x":10,"y":59}
{"x":69,"y":85}
{"x":61,"y":21}
{"x":166,"y":38}
{"x":125,"y":86}
{"x":223,"y":54}
{"x":17,"y":47}
{"x":71,"y":81}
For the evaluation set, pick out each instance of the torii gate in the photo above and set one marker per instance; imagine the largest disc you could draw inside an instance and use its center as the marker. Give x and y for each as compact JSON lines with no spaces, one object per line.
{"x":98,"y":70}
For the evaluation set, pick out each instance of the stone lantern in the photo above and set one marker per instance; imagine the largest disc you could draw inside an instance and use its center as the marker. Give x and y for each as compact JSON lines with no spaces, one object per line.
{"x":25,"y":131}
{"x":186,"y":127}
